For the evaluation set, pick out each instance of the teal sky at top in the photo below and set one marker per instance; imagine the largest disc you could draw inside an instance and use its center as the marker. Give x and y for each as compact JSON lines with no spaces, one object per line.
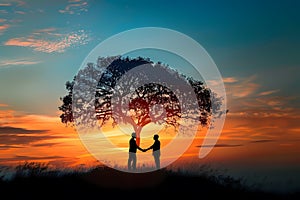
{"x":244,"y":38}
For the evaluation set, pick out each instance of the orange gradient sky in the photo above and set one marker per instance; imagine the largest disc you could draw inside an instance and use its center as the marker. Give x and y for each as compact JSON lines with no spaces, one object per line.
{"x":273,"y":140}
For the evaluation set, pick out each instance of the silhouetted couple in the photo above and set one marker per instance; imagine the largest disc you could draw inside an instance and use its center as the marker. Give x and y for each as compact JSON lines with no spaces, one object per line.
{"x":133,"y":148}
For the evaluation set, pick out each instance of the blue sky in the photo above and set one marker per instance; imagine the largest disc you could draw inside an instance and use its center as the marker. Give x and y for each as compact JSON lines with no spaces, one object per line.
{"x":43,"y":43}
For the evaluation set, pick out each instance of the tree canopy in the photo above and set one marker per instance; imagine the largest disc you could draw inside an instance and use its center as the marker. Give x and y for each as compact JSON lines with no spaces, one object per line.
{"x":138,"y":92}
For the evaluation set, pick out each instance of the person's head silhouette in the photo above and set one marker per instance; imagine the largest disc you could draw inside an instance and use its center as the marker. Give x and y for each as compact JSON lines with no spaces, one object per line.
{"x":155,"y":137}
{"x":133,"y":135}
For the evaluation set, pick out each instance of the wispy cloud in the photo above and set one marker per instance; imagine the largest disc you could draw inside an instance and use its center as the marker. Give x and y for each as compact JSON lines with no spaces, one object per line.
{"x":17,"y":62}
{"x":268,"y":92}
{"x":230,"y":80}
{"x":20,"y":12}
{"x":237,"y":87}
{"x":45,"y":30}
{"x":20,"y":2}
{"x":3,"y":105}
{"x":3,"y":12}
{"x":57,"y":42}
{"x":17,"y":3}
{"x":3,"y":28}
{"x":13,"y":7}
{"x":240,"y":88}
{"x":5,"y":4}
{"x":75,"y":7}
{"x":7,"y":8}
{"x":245,"y":98}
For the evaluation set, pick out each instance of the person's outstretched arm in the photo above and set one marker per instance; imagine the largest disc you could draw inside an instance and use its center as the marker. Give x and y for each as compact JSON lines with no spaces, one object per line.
{"x":151,"y":147}
{"x":141,"y":149}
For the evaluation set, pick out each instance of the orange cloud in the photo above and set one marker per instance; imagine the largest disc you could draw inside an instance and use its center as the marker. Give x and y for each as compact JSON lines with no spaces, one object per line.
{"x":6,"y":63}
{"x":4,"y":27}
{"x":241,"y":88}
{"x":45,"y":30}
{"x":268,"y":92}
{"x":230,"y":80}
{"x":56,"y":45}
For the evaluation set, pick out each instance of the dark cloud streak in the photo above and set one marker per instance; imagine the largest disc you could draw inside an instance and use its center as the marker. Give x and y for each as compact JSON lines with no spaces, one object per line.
{"x":14,"y":130}
{"x":261,"y":141}
{"x":23,"y":140}
{"x":45,"y":144}
{"x":235,"y":145}
{"x":220,"y":145}
{"x":9,"y":146}
{"x":26,"y":158}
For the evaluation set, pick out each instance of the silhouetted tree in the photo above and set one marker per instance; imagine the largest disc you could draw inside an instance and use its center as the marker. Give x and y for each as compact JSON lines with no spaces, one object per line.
{"x":131,"y":98}
{"x":66,"y":108}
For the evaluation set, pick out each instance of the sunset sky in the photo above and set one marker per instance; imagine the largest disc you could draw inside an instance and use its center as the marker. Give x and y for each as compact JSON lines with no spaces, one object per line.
{"x":255,"y":45}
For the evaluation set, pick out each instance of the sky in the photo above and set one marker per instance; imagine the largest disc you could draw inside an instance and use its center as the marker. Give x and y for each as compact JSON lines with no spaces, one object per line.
{"x":254,"y":44}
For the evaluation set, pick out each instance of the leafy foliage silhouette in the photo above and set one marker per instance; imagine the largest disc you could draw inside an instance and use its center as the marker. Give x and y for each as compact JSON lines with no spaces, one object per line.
{"x":146,"y":100}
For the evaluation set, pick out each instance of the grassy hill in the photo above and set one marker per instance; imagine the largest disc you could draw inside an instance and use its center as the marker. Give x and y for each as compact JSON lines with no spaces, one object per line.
{"x":37,"y":182}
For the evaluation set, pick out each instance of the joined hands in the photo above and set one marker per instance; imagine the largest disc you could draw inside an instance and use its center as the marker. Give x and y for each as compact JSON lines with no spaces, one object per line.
{"x":144,"y":150}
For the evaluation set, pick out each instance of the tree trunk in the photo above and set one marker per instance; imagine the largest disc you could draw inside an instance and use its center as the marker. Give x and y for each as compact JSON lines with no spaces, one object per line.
{"x":138,"y":130}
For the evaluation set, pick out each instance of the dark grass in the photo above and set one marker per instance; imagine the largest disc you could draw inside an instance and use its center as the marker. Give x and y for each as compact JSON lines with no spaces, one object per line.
{"x":36,"y":181}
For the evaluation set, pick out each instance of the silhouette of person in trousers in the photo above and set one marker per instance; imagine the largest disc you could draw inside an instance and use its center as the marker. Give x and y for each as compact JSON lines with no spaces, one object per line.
{"x":132,"y":152}
{"x":156,"y":150}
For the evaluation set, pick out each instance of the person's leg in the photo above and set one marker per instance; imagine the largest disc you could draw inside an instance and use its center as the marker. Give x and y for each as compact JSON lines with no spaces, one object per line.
{"x":156,"y":156}
{"x":133,"y":161}
{"x":130,"y":161}
{"x":157,"y":162}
